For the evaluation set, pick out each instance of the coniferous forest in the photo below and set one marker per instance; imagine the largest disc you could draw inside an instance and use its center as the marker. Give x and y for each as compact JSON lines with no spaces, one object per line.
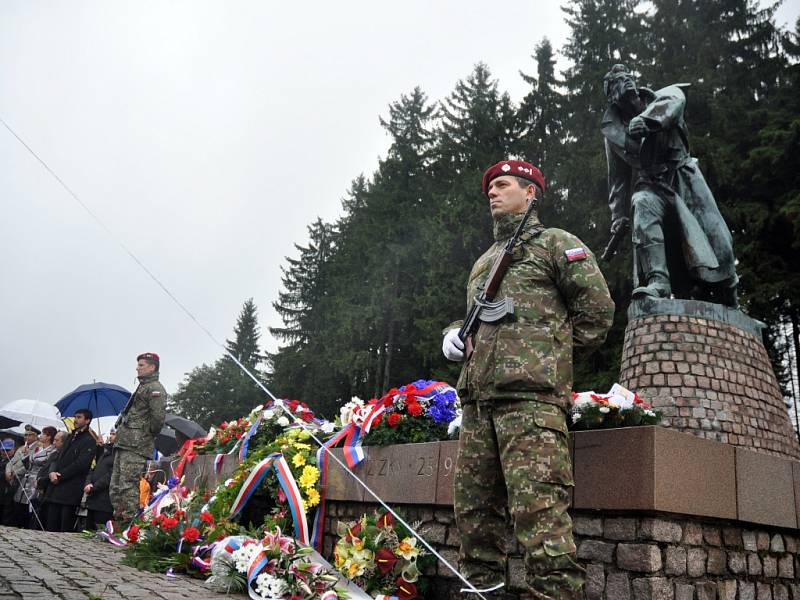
{"x":365,"y":300}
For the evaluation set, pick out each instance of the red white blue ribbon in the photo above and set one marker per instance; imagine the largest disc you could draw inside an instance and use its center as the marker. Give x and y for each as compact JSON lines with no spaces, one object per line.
{"x":287,"y":482}
{"x":246,"y":439}
{"x":109,"y":536}
{"x":322,"y":463}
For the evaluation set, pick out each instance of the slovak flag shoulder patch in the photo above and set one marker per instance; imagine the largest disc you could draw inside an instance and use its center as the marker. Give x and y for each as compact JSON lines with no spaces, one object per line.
{"x":574,"y":254}
{"x":155,"y":393}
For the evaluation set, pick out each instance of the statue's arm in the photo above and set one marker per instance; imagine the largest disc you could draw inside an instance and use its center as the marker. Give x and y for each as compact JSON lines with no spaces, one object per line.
{"x":619,"y":178}
{"x":666,"y":110}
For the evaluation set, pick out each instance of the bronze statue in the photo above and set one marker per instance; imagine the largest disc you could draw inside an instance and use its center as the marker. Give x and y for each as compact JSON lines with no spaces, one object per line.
{"x":682,"y":246}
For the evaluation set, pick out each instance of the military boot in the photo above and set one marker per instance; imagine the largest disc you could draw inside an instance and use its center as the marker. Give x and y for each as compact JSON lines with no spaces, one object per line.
{"x":653,"y":262}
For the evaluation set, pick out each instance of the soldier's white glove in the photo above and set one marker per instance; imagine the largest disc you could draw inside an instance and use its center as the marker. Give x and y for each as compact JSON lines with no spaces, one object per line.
{"x":452,"y":346}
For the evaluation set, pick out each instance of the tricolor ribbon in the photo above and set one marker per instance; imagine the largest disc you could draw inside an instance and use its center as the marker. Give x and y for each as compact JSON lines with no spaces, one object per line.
{"x":218,"y":460}
{"x":204,"y":564}
{"x":246,"y":438}
{"x":109,"y":536}
{"x":286,"y":480}
{"x":322,"y":463}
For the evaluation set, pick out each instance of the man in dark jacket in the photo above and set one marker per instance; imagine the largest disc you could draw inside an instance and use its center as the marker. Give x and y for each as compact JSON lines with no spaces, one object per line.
{"x":69,"y":474}
{"x":97,"y":501}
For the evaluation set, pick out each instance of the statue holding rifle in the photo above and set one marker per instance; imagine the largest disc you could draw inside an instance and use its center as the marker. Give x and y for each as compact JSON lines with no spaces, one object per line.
{"x":681,"y":244}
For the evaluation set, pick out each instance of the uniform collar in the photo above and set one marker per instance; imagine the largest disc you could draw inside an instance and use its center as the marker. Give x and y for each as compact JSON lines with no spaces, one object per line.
{"x":506,"y":225}
{"x":148,"y":378}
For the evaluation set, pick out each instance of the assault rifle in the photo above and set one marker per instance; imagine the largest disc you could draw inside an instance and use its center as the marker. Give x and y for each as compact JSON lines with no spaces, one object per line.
{"x":483,"y":308}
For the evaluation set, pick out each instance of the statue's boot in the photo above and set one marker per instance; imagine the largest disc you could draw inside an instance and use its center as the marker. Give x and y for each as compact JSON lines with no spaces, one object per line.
{"x":653,"y":261}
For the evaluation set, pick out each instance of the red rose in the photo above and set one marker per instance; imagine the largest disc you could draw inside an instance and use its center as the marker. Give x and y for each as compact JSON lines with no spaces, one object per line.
{"x":191,"y":534}
{"x":415,"y":409}
{"x":385,"y":560}
{"x":133,"y":533}
{"x":378,"y":420}
{"x":405,"y":589}
{"x":385,"y":520}
{"x":223,"y":425}
{"x":207,"y":517}
{"x":307,"y":416}
{"x":393,"y":419}
{"x":293,"y":404}
{"x":169,"y":523}
{"x":239,"y":434}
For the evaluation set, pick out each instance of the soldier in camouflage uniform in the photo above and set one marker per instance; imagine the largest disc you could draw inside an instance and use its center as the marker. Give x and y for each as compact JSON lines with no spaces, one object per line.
{"x":516,"y":388}
{"x":137,"y":426}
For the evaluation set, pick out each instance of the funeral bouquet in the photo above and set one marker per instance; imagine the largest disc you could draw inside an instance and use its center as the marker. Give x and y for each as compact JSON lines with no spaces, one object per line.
{"x":381,"y":557}
{"x":273,"y":567}
{"x":421,"y":411}
{"x":297,"y":454}
{"x":618,"y":408}
{"x":169,"y":535}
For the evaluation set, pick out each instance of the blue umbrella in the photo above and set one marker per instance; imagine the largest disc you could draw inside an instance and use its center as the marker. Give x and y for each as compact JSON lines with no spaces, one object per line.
{"x":103,"y":399}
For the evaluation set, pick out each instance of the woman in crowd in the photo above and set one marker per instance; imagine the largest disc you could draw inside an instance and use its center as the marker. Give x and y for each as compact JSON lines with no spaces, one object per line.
{"x":26,"y":493}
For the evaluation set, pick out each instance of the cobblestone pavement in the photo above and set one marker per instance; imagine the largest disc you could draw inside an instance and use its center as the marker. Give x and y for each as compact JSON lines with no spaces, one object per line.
{"x":35,"y":565}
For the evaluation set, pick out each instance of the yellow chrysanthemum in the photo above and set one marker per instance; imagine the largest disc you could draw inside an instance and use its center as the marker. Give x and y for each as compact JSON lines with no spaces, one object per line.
{"x":298,"y":460}
{"x":309,"y":476}
{"x":312,"y":497}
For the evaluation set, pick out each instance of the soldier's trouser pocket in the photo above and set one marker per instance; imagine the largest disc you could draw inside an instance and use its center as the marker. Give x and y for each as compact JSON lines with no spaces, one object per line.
{"x":524,"y":358}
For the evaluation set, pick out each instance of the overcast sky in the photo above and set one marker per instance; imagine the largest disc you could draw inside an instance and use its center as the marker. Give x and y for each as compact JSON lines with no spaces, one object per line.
{"x":207,"y":136}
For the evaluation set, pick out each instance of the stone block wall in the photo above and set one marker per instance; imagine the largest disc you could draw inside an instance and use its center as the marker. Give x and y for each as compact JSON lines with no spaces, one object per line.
{"x":710,"y":378}
{"x":631,"y":557}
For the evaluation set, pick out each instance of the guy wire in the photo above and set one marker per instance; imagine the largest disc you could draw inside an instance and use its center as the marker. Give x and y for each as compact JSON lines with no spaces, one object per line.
{"x":470,"y":588}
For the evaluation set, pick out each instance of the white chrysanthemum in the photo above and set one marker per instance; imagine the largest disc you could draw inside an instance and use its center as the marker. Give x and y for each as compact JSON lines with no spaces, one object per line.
{"x":605,"y":409}
{"x":328,"y":427}
{"x":576,"y":417}
{"x":269,"y":413}
{"x":270,"y":588}
{"x":283,"y":421}
{"x":350,"y":409}
{"x":454,"y":424}
{"x":243,"y":556}
{"x":649,"y":412}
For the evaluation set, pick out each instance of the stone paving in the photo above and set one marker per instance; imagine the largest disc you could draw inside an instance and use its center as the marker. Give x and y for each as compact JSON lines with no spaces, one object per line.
{"x":35,"y":565}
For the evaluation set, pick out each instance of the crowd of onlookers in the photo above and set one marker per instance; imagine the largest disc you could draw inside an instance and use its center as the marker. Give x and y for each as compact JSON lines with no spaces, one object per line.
{"x":57,"y":480}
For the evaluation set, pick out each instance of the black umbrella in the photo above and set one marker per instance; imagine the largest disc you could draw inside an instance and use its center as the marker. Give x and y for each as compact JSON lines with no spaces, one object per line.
{"x":7,"y":433}
{"x":188,"y":428}
{"x":6,"y":422}
{"x":166,"y":443}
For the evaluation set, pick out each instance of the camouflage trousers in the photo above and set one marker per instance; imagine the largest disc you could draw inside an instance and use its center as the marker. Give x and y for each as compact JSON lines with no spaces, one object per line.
{"x":513,"y":460}
{"x":124,"y":487}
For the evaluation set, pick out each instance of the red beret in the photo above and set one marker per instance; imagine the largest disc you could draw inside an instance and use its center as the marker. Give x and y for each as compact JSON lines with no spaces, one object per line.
{"x":151,"y":357}
{"x":517,"y":168}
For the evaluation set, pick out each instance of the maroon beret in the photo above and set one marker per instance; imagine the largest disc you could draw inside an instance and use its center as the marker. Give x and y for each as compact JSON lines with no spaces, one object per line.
{"x":517,"y":168}
{"x":151,"y":357}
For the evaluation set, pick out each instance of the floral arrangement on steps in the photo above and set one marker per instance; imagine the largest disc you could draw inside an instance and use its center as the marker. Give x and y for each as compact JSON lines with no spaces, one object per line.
{"x":618,"y":408}
{"x":274,"y":567}
{"x":381,"y":557}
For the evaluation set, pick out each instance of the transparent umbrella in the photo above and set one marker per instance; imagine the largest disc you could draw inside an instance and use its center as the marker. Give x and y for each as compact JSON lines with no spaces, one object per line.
{"x":34,"y":412}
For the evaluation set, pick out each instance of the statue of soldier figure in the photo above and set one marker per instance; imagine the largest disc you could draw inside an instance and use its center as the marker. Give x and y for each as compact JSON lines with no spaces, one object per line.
{"x":682,"y":246}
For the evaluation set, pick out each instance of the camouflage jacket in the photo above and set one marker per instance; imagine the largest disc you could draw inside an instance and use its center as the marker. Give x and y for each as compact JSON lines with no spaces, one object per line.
{"x":143,"y":417}
{"x":560,"y":299}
